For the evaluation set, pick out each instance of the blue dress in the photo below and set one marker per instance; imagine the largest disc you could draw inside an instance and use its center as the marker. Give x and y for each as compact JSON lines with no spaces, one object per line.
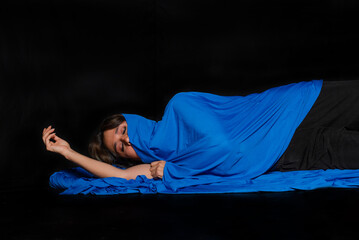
{"x":216,"y":144}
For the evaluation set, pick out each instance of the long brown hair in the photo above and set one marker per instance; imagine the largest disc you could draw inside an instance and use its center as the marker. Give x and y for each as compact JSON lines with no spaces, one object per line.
{"x":97,"y":148}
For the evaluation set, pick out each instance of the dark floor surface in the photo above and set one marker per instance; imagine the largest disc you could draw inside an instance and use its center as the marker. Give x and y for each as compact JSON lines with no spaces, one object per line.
{"x":43,"y":214}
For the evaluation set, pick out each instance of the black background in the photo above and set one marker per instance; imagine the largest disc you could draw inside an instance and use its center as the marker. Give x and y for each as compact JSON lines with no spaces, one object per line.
{"x":72,"y":63}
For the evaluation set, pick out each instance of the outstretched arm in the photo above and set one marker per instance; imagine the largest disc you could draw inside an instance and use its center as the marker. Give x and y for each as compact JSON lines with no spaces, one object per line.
{"x":100,"y":169}
{"x":103,"y":170}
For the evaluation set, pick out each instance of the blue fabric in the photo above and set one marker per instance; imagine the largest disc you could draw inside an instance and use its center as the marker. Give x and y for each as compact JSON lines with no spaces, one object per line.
{"x":216,"y":144}
{"x":79,"y":181}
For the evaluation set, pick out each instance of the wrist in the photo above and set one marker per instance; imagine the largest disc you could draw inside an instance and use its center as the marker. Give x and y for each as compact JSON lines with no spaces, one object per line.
{"x":67,"y":153}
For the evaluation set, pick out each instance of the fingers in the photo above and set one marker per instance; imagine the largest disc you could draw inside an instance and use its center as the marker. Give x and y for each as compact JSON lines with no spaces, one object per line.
{"x":46,"y":129}
{"x":157,"y":168}
{"x":155,"y":163}
{"x":153,"y":171}
{"x":48,"y":142}
{"x":154,"y":168}
{"x":46,"y":133}
{"x":56,"y":138}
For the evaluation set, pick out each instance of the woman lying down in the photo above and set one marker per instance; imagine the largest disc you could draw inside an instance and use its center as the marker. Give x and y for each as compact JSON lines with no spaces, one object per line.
{"x":298,"y":136}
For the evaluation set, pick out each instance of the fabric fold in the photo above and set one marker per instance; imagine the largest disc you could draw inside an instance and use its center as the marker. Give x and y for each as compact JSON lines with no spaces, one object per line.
{"x":76,"y":181}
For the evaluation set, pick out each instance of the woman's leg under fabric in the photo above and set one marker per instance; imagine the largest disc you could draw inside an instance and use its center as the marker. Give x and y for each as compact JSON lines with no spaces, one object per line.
{"x":328,"y":137}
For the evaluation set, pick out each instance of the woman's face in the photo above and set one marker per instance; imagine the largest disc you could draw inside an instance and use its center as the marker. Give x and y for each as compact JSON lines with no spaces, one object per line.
{"x":117,"y":141}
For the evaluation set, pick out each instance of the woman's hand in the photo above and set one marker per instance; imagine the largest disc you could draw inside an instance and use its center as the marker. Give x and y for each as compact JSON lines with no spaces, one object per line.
{"x":53,"y":143}
{"x":156,"y":169}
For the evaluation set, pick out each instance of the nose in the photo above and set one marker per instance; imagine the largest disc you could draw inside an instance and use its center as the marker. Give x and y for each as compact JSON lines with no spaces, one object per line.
{"x":125,"y":139}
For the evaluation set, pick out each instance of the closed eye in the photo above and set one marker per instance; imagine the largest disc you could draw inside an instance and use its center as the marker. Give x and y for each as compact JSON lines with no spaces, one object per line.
{"x":123,"y":146}
{"x":114,"y":148}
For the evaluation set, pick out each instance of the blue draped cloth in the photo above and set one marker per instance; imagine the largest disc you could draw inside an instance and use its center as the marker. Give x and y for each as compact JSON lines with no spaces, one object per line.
{"x":217,"y":144}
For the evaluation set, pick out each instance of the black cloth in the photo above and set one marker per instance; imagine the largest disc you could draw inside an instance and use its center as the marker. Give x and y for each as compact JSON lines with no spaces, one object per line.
{"x":328,"y":137}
